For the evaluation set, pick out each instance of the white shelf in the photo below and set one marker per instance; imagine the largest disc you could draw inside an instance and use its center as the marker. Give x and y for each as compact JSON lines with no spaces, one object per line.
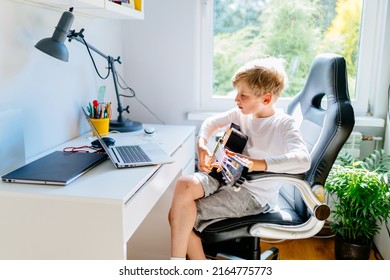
{"x":94,"y":8}
{"x":121,"y":12}
{"x":369,"y":121}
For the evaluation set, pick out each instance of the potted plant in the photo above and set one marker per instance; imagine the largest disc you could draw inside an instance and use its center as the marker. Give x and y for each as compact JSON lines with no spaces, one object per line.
{"x":361,"y":202}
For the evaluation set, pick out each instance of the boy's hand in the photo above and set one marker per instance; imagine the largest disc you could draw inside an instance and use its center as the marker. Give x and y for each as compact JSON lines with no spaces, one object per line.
{"x":248,"y":160}
{"x":203,"y":155}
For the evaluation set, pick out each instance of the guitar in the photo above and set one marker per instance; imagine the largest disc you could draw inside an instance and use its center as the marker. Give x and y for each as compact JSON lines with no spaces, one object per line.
{"x":233,"y":168}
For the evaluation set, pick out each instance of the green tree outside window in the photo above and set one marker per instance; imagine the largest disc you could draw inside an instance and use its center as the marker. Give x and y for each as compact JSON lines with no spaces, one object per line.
{"x":295,"y":30}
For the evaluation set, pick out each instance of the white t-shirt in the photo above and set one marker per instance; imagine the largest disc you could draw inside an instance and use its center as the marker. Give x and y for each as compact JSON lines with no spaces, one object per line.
{"x":276,"y":139}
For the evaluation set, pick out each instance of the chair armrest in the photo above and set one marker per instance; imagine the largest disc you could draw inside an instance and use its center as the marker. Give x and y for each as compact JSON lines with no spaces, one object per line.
{"x":317,"y":208}
{"x":253,"y":175}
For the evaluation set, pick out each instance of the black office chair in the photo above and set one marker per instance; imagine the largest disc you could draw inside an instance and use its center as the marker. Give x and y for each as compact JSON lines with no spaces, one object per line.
{"x":327,"y":119}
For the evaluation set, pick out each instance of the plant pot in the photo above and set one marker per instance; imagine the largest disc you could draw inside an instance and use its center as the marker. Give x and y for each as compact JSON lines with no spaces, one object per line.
{"x":349,"y":251}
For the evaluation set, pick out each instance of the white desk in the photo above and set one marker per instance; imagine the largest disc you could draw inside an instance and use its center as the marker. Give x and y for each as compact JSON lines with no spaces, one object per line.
{"x":95,"y":216}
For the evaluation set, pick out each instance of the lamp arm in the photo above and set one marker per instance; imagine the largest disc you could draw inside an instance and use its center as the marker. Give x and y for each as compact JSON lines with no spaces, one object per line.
{"x":120,"y":108}
{"x":79,"y":37}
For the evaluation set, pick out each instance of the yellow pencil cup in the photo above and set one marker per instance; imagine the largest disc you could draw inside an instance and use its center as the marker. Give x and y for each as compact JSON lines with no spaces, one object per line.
{"x":101,"y":125}
{"x":138,"y":5}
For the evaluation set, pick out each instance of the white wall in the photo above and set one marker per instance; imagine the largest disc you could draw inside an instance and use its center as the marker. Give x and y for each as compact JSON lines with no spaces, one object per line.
{"x":50,"y":92}
{"x":163,"y":59}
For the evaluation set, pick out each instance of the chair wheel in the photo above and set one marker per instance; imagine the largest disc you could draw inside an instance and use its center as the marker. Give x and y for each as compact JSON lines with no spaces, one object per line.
{"x":270,"y":254}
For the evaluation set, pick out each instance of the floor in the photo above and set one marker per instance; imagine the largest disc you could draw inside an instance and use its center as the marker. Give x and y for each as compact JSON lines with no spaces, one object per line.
{"x":316,"y":248}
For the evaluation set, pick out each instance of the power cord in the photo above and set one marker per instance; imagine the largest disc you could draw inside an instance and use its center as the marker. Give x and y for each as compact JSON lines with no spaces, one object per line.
{"x":82,"y":149}
{"x":80,"y":34}
{"x":270,"y":241}
{"x":133,"y":95}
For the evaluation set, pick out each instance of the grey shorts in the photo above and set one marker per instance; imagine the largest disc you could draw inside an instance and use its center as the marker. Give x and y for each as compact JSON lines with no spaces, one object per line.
{"x":221,"y":202}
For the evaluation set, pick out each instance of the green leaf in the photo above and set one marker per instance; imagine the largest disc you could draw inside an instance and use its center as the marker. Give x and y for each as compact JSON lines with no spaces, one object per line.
{"x":361,"y":195}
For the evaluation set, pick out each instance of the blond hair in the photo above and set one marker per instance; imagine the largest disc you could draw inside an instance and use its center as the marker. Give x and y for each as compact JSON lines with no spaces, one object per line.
{"x":262,"y":76}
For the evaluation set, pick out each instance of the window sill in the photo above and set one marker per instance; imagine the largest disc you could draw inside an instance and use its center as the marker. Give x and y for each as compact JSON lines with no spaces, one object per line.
{"x":360,"y":121}
{"x":369,"y":121}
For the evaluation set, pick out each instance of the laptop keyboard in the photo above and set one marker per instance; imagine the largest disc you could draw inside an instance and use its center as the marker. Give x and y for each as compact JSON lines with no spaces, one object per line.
{"x":132,"y":154}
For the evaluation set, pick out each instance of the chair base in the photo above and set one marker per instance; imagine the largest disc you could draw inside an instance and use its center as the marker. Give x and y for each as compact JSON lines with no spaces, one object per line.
{"x":246,"y":248}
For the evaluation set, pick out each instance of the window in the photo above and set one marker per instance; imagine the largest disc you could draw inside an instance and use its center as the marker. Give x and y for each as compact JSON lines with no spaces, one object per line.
{"x":235,"y":31}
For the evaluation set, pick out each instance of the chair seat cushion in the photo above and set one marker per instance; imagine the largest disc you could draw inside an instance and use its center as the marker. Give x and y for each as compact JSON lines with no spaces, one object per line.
{"x":239,"y":227}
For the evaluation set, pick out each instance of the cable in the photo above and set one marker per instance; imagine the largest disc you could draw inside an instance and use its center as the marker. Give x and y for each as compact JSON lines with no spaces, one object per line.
{"x":324,"y":236}
{"x":270,"y":241}
{"x":93,"y":61}
{"x":126,"y":87}
{"x":82,"y":149}
{"x":150,"y":111}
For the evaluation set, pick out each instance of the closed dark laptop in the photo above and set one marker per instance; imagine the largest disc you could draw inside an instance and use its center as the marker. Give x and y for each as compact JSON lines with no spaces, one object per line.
{"x":57,"y":168}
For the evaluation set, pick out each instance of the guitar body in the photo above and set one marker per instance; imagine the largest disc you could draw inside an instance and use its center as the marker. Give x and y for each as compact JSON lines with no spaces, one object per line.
{"x":231,"y":170}
{"x":236,"y":140}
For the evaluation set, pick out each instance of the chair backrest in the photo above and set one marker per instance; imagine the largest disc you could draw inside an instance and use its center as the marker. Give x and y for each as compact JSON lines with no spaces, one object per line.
{"x":327,"y":118}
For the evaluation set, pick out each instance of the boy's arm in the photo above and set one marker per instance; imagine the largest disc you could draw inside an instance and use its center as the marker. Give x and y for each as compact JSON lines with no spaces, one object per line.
{"x":296,"y":158}
{"x":258,"y":164}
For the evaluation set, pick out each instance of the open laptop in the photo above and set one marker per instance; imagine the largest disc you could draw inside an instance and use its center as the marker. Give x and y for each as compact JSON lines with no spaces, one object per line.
{"x":132,"y":155}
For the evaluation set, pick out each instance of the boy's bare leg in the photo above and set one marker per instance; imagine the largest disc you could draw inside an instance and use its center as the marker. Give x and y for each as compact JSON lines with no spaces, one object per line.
{"x":182,"y":214}
{"x":195,"y":248}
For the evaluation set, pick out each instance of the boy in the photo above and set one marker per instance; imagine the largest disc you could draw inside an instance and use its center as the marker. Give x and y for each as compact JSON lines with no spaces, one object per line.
{"x":274,"y":145}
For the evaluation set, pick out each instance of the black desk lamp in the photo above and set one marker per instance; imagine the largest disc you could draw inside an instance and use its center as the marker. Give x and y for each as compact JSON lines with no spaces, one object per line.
{"x":55,"y":47}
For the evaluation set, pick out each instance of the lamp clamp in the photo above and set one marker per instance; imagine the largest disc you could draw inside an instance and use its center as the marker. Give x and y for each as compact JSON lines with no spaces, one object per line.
{"x":126,"y":109}
{"x":73,"y":34}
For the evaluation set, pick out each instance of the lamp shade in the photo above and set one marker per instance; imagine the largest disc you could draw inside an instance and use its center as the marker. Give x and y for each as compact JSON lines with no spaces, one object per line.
{"x":54,"y":46}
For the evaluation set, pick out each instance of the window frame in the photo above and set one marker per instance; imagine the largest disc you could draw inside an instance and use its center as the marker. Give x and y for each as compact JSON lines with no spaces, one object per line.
{"x":370,"y":64}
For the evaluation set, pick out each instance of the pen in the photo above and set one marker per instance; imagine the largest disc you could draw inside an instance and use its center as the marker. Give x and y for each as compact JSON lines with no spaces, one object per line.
{"x":98,"y":110}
